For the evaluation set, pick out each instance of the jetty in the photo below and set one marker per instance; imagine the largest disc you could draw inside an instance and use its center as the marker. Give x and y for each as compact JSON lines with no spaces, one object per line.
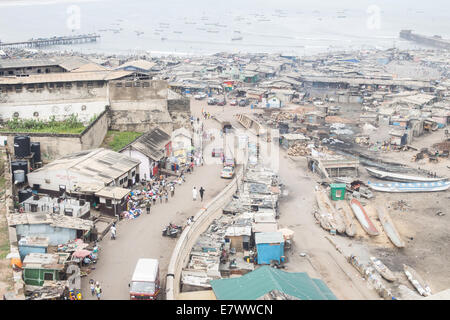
{"x":54,"y":41}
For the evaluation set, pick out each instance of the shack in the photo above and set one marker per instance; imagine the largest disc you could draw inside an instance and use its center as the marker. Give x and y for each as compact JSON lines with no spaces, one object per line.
{"x":269,"y":247}
{"x":112,"y":200}
{"x":40,"y":267}
{"x":29,"y":245}
{"x":58,"y":228}
{"x":239,"y":237}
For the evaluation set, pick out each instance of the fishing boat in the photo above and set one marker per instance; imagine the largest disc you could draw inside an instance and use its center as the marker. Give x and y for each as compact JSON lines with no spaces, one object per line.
{"x":163,"y":38}
{"x":236,"y":39}
{"x":363,"y":218}
{"x":328,"y":211}
{"x":389,"y":227}
{"x":178,"y":32}
{"x":400,"y":177}
{"x":382,"y":269}
{"x":410,"y":187}
{"x":343,"y":208}
{"x":416,"y":280}
{"x":323,"y":215}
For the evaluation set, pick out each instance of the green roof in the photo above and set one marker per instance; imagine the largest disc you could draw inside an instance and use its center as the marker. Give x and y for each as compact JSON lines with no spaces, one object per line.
{"x":257,"y":283}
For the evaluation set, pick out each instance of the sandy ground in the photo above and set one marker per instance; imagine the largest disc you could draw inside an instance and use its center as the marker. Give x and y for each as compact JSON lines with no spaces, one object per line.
{"x":296,"y":213}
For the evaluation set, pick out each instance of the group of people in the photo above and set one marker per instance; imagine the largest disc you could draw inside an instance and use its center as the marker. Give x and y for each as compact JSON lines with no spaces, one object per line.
{"x":96,"y":290}
{"x":195,"y":191}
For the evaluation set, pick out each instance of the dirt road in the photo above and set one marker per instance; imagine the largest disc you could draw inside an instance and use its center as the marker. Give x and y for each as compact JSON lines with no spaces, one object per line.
{"x":321,"y":260}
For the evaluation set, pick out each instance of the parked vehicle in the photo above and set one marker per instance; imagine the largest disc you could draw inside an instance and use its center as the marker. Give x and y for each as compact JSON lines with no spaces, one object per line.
{"x":172,"y":230}
{"x":243,"y":102}
{"x":221,"y":102}
{"x":229,"y":162}
{"x":233,"y":103}
{"x":200,"y":96}
{"x":212,"y":101}
{"x":227,"y":172}
{"x":217,"y":152}
{"x":145,"y":283}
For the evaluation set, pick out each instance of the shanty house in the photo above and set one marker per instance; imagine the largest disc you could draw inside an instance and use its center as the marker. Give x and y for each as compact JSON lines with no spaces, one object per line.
{"x":150,"y":150}
{"x":273,"y":101}
{"x":112,"y":200}
{"x":57,"y":228}
{"x":181,"y":143}
{"x":239,"y":237}
{"x":40,"y":267}
{"x":143,"y":66}
{"x":266,"y":282}
{"x":269,"y":246}
{"x":97,"y":167}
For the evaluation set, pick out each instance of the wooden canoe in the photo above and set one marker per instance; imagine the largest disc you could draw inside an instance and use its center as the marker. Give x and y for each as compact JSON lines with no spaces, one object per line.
{"x":322,"y":215}
{"x":363,"y":218}
{"x":389,"y":227}
{"x":343,"y":208}
{"x":328,"y":211}
{"x":382,"y":269}
{"x":400,"y":177}
{"x":416,"y":280}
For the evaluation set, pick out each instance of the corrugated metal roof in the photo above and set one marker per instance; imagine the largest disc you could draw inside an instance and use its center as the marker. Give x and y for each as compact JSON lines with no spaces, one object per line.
{"x":151,"y":144}
{"x":257,"y":283}
{"x":269,"y":237}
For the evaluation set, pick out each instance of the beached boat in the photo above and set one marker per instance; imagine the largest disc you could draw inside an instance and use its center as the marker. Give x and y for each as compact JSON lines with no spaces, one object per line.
{"x":382,"y":269}
{"x":400,"y":177}
{"x":336,"y":221}
{"x":343,"y":208}
{"x":389,"y":227}
{"x":410,"y":187}
{"x":324,"y":215}
{"x":416,"y":280}
{"x":363,"y":218}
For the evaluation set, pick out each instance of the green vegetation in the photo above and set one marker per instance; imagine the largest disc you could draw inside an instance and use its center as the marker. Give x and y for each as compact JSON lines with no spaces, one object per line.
{"x":71,"y":125}
{"x":116,"y":140}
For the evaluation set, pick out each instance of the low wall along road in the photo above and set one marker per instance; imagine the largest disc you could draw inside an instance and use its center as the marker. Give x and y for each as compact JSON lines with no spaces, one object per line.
{"x":202,"y":220}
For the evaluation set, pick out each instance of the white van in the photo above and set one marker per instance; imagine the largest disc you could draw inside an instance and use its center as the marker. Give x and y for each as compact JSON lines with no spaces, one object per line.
{"x":145,"y":283}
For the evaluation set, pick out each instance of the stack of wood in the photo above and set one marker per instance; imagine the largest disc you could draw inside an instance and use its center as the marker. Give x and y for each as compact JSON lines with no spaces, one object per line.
{"x":298,"y":150}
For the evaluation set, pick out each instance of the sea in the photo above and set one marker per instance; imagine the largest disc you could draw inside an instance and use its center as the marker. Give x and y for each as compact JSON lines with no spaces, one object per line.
{"x":201,"y":27}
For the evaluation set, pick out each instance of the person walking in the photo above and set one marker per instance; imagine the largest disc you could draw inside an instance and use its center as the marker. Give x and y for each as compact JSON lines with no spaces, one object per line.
{"x":148,"y":206}
{"x":166,"y":196}
{"x":113,"y":232}
{"x":202,"y":191}
{"x":194,"y":194}
{"x":92,"y":286}
{"x":172,"y":190}
{"x":98,"y":290}
{"x":160,"y":196}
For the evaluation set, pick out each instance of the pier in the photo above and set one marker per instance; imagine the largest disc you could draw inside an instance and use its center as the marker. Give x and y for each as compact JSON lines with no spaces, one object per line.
{"x":44,"y":42}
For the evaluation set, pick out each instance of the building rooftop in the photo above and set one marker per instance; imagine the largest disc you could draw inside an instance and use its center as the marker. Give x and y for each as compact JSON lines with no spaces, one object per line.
{"x":269,"y":237}
{"x":54,"y":220}
{"x":152,"y":144}
{"x":100,"y":165}
{"x":113,"y":193}
{"x":263,"y":280}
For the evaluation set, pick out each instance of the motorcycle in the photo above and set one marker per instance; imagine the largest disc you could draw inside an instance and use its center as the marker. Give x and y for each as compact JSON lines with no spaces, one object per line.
{"x":171,"y":231}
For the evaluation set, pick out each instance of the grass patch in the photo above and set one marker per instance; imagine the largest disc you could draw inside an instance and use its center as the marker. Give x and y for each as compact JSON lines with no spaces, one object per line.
{"x":116,"y":140}
{"x":71,"y":125}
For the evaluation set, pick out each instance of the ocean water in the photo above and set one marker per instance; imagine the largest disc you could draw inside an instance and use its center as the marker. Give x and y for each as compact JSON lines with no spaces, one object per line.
{"x":206,"y":27}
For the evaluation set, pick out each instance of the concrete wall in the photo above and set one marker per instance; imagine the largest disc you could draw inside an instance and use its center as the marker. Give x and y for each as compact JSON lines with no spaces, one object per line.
{"x":180,"y":111}
{"x":56,"y":235}
{"x":56,"y":145}
{"x":144,"y":166}
{"x":139,"y":108}
{"x":42,"y":103}
{"x":202,"y":220}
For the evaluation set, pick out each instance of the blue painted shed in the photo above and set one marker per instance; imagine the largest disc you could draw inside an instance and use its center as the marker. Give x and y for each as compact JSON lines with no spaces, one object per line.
{"x":269,"y":246}
{"x":29,"y":245}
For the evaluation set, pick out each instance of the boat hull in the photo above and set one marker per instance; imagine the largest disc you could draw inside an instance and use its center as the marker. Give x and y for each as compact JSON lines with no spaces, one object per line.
{"x":400,"y":177}
{"x":363,"y":218}
{"x":389,"y":227}
{"x":410,"y":187}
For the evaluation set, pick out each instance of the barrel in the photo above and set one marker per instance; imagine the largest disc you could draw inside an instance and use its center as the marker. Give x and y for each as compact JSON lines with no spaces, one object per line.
{"x":20,"y":165}
{"x":24,"y":195}
{"x":22,"y":146}
{"x":19,"y":176}
{"x":36,"y":148}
